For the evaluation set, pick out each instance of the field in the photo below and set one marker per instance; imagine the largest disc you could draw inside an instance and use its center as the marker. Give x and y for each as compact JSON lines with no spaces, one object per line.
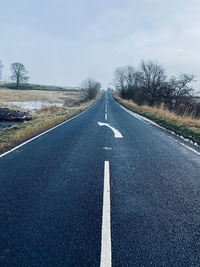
{"x":65,"y":97}
{"x":43,"y":118}
{"x":185,"y":125}
{"x":29,"y":86}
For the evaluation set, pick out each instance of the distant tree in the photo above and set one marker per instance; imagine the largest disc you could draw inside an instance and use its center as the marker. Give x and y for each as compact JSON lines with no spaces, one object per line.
{"x":178,"y":91}
{"x":1,"y":67}
{"x":153,"y":78}
{"x":91,"y":88}
{"x":120,"y":81}
{"x":18,"y":73}
{"x":128,"y":82}
{"x":129,"y":72}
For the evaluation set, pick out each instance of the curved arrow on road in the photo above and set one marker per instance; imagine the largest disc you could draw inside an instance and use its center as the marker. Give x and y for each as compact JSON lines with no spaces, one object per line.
{"x":116,"y":132}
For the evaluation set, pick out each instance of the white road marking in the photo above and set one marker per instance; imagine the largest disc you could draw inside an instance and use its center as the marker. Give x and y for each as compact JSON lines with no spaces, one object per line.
{"x":107,"y":148}
{"x":106,"y":109}
{"x":106,"y":106}
{"x":141,"y":118}
{"x":190,"y":148}
{"x":116,"y":132}
{"x":106,"y":254}
{"x":30,"y":140}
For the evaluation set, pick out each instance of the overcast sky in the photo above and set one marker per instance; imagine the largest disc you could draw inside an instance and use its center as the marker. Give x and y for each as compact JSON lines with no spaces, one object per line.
{"x":62,"y":42}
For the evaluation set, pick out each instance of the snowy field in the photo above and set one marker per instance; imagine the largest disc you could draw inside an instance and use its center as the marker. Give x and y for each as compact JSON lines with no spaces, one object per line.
{"x":32,"y":106}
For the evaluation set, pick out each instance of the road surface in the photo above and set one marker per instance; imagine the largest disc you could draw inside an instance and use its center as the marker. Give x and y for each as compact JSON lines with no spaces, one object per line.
{"x":103,"y":189}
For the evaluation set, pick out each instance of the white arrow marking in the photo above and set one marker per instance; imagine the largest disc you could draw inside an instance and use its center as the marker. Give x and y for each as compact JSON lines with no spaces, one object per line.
{"x":116,"y":132}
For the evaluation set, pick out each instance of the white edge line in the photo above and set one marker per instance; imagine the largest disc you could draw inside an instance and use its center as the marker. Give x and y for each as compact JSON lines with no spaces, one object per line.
{"x":106,"y":254}
{"x":190,"y":148}
{"x":141,"y":118}
{"x":147,"y":121}
{"x":37,"y":136}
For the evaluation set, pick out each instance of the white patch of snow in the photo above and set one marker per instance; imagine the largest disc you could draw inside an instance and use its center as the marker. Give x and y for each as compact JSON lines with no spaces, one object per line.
{"x":33,"y":106}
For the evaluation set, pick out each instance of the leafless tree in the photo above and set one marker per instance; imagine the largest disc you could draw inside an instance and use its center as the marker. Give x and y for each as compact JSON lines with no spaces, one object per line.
{"x":152,"y":80}
{"x":130,"y":81}
{"x":119,"y":78}
{"x":120,"y":81}
{"x":18,"y":73}
{"x":179,"y":91}
{"x":148,"y":84}
{"x":91,"y":88}
{"x":133,"y":79}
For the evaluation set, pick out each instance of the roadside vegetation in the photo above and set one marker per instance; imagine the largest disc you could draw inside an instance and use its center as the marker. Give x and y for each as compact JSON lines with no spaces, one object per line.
{"x":73,"y":102}
{"x":42,"y":120}
{"x":169,"y":102}
{"x":90,"y":88}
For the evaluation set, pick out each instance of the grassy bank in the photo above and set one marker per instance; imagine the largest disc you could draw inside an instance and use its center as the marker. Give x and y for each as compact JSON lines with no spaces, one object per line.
{"x":42,"y":120}
{"x":185,"y":125}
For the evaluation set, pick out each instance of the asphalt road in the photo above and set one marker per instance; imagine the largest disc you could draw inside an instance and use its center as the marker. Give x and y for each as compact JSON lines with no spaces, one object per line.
{"x":79,"y":196}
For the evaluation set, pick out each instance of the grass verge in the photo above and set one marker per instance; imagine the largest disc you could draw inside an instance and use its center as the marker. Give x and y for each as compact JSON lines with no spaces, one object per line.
{"x":185,"y":125}
{"x":43,"y":120}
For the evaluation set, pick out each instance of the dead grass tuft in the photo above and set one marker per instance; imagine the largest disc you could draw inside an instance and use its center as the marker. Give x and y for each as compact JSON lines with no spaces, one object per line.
{"x":51,"y":109}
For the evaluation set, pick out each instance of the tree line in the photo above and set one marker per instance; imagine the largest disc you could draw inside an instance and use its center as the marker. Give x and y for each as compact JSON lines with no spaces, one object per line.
{"x":148,"y":84}
{"x":19,"y":74}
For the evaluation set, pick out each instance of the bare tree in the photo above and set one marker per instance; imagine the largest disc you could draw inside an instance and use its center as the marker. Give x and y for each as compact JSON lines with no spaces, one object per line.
{"x":128,"y":83}
{"x":148,"y":84}
{"x":19,"y":73}
{"x":91,"y":88}
{"x":1,"y":67}
{"x":120,"y":80}
{"x":152,"y":78}
{"x":133,"y":79}
{"x":142,"y":85}
{"x":179,"y":90}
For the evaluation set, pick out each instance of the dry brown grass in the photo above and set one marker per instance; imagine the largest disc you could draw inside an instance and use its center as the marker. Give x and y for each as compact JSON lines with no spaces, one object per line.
{"x":51,"y":109}
{"x":186,"y":126}
{"x":184,"y":120}
{"x":8,"y":95}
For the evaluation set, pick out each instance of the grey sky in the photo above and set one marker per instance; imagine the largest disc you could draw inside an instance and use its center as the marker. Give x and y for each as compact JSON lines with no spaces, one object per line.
{"x":63,"y":42}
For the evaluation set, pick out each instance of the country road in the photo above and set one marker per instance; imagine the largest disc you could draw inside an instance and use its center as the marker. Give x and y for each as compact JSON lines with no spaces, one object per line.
{"x":105,"y":189}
